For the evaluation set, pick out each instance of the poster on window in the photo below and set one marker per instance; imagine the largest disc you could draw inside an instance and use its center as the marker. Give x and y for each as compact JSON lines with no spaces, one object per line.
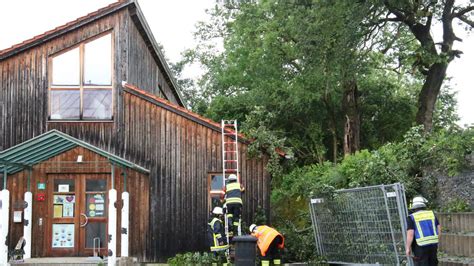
{"x":60,"y":199}
{"x":58,"y":211}
{"x":63,"y":235}
{"x":68,"y":209}
{"x":96,"y":205}
{"x":63,"y":188}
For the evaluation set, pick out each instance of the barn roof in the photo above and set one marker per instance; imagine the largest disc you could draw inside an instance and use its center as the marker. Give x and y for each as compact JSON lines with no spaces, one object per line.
{"x":183,"y":111}
{"x":48,"y":145}
{"x":137,"y":17}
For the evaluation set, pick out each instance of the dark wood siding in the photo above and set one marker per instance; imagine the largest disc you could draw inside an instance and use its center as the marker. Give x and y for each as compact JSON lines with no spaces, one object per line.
{"x":142,"y":67}
{"x":143,"y":70}
{"x":24,"y":79}
{"x":180,"y":152}
{"x":137,"y":186}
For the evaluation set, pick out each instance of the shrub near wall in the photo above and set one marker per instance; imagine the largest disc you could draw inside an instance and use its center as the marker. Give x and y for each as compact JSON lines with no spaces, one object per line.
{"x":394,"y":162}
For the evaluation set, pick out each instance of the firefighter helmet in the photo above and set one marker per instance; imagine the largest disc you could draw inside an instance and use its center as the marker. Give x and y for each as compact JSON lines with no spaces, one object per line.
{"x":217,"y":210}
{"x":252,"y":227}
{"x":232,"y":177}
{"x":418,"y":202}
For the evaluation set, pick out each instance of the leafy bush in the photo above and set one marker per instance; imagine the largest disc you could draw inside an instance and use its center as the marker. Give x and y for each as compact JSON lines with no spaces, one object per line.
{"x":443,"y":151}
{"x":457,"y":205}
{"x":195,"y":258}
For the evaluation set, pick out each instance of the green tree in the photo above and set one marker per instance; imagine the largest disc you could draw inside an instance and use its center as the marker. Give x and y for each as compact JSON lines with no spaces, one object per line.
{"x":304,"y":63}
{"x":431,"y":59}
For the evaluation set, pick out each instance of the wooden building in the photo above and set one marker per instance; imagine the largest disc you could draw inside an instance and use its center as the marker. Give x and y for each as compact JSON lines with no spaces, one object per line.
{"x":90,"y":106}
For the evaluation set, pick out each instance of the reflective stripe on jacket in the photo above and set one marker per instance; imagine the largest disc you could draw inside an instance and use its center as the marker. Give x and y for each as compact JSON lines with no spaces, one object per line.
{"x":215,"y":226}
{"x":265,"y":235}
{"x":426,"y":232}
{"x":233,"y":193}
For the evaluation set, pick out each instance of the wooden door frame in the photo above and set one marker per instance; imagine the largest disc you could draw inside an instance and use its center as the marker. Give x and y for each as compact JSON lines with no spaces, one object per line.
{"x":83,"y":251}
{"x":58,"y":252}
{"x":80,"y":207}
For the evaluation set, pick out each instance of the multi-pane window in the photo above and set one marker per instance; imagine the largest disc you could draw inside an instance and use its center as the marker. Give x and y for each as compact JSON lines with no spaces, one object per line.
{"x":216,"y":190}
{"x":81,"y":82}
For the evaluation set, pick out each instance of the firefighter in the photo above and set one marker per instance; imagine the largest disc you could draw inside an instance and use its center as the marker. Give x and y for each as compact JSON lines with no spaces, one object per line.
{"x":270,"y":243}
{"x":233,"y":203}
{"x":423,"y":231}
{"x":217,"y":239}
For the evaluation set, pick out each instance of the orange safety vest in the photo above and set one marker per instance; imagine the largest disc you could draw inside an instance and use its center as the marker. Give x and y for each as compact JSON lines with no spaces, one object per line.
{"x":265,"y":235}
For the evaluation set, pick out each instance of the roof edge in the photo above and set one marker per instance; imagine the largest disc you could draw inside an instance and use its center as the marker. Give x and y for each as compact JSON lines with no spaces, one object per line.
{"x":63,"y":29}
{"x":111,"y":157}
{"x":184,"y":112}
{"x":137,"y":12}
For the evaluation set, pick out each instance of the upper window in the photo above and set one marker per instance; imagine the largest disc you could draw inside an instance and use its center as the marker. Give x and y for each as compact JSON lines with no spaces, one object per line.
{"x":81,"y":82}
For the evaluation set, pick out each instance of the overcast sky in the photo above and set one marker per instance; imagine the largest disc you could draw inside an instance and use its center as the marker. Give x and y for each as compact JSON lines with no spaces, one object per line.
{"x":172,"y":23}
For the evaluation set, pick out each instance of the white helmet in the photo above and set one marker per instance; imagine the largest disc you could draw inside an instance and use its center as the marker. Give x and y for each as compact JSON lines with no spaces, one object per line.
{"x":252,"y":227}
{"x":217,"y":210}
{"x":232,"y":177}
{"x":418,"y":202}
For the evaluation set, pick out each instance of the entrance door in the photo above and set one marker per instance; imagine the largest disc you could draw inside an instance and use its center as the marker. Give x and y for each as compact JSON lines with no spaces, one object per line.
{"x":78,"y":211}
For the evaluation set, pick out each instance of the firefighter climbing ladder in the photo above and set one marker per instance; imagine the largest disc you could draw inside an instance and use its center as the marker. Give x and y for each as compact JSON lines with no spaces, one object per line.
{"x":230,"y":158}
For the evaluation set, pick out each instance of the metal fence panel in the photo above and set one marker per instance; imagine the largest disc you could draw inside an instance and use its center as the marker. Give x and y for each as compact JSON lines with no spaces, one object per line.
{"x":362,"y":225}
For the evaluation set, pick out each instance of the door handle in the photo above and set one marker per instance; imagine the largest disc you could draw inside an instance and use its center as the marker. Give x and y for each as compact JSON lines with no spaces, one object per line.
{"x":87,"y":220}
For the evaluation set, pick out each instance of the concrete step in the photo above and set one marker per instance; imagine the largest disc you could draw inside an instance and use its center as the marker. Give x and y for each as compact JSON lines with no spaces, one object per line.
{"x":66,"y":261}
{"x":75,"y":261}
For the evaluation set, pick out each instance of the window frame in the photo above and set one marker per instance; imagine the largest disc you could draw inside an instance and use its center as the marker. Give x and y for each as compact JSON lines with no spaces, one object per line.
{"x":211,"y":192}
{"x":82,"y":86}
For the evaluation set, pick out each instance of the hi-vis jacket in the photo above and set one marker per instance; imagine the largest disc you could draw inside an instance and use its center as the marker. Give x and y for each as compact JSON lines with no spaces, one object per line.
{"x":233,"y":193}
{"x":426,"y":231}
{"x":265,"y":235}
{"x":216,"y":235}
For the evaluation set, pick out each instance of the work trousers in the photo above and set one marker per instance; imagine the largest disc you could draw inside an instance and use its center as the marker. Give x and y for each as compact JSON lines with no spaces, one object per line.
{"x":429,"y":258}
{"x":233,"y":216}
{"x":273,"y":253}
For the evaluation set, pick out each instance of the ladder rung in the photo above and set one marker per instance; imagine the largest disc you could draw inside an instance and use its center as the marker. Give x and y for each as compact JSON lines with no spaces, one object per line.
{"x":230,"y":142}
{"x":229,"y":125}
{"x":230,"y":160}
{"x":230,"y":151}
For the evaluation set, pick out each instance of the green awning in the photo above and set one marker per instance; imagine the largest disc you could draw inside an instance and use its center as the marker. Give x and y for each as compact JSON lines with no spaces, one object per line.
{"x":48,"y":145}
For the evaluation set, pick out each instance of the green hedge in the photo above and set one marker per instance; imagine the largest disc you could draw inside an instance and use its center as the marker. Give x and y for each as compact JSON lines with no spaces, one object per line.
{"x":444,"y":151}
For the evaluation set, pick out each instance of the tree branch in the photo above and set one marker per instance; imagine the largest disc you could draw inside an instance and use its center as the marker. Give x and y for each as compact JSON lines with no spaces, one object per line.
{"x":399,"y":14}
{"x":463,"y":11}
{"x":394,"y":39}
{"x":467,"y":21}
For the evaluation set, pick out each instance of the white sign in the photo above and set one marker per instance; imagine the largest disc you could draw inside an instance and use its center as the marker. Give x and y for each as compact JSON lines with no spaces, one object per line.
{"x":317,"y":200}
{"x":17,"y":216}
{"x":391,"y":194}
{"x":63,"y":188}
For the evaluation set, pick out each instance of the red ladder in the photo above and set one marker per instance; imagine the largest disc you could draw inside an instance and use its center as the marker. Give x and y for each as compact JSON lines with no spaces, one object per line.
{"x":230,"y":158}
{"x":230,"y":149}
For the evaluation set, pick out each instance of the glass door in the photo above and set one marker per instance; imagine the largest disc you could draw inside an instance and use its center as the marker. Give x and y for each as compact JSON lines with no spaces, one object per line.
{"x":78,"y":210}
{"x":64,"y":216}
{"x":93,"y":209}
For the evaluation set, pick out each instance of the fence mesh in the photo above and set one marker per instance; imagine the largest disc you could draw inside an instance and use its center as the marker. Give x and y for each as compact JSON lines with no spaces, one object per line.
{"x":361,"y":225}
